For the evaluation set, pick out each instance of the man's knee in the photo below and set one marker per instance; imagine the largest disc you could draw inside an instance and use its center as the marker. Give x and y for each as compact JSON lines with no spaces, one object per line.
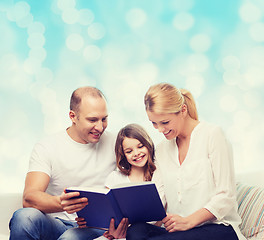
{"x":25,"y":215}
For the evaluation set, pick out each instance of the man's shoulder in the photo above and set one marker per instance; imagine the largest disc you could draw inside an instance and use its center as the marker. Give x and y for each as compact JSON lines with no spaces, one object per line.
{"x":52,"y":137}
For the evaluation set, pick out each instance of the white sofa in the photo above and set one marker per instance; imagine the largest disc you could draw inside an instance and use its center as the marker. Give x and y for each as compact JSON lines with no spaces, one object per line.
{"x":250,"y":197}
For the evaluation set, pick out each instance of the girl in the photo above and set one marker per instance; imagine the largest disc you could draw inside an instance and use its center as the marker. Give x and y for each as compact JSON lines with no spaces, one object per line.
{"x":135,"y":156}
{"x":196,"y":166}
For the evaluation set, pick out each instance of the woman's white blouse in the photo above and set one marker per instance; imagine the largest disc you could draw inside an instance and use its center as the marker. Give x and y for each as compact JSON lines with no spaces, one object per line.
{"x":205,"y":179}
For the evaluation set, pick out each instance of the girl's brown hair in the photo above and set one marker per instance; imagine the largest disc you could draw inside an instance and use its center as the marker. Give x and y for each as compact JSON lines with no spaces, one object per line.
{"x":137,"y":132}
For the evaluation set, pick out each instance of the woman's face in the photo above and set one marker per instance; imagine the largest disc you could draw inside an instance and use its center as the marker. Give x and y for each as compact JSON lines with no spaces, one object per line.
{"x":170,"y":124}
{"x":136,"y":153}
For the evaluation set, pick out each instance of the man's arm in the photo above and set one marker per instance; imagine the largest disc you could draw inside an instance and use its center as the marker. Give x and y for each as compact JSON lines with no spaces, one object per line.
{"x":35,"y":196}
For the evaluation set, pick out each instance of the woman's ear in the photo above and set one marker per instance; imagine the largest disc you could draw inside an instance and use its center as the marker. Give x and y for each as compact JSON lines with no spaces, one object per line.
{"x":184,"y":109}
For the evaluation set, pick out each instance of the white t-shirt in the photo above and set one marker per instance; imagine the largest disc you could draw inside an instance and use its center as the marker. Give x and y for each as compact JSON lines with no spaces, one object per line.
{"x":205,"y":179}
{"x":116,"y":178}
{"x":72,"y":164}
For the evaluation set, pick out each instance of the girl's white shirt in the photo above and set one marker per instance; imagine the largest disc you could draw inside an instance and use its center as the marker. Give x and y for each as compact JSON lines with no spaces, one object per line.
{"x":205,"y":179}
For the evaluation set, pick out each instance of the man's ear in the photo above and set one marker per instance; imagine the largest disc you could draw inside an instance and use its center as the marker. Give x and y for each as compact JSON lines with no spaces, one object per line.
{"x":72,"y":116}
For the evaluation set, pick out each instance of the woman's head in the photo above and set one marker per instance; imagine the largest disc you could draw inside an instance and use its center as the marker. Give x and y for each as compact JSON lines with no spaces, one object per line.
{"x":164,"y":98}
{"x":130,"y":133}
{"x":170,"y":109}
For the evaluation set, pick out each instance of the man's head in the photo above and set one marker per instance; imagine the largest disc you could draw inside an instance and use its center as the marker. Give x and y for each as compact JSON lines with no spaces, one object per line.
{"x":88,"y":113}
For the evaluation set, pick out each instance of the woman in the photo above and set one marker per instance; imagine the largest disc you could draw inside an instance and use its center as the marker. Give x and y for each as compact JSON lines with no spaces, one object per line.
{"x":197,"y":171}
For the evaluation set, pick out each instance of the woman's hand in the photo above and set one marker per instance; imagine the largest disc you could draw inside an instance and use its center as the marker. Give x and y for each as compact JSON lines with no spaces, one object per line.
{"x":71,"y":203}
{"x":118,"y":233}
{"x":81,"y":222}
{"x":174,"y":222}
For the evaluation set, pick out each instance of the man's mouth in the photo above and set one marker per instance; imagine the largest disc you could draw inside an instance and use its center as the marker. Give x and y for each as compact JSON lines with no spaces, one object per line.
{"x":96,"y":134}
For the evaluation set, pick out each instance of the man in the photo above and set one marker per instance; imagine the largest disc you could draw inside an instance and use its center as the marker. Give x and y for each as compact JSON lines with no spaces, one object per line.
{"x":83,"y":155}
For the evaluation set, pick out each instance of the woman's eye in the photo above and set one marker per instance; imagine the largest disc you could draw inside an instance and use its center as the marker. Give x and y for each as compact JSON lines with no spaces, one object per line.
{"x":164,"y":123}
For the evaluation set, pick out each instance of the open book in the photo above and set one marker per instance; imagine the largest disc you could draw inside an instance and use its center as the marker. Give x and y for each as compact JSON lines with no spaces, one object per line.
{"x":137,"y":202}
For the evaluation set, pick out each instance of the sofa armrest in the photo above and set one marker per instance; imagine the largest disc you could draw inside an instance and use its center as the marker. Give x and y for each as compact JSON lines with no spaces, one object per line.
{"x":9,"y":203}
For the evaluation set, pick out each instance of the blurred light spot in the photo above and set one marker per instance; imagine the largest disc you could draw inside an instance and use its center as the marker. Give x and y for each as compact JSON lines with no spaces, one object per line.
{"x":256,"y":32}
{"x":242,"y":119}
{"x":254,"y":76}
{"x":38,"y":53}
{"x":31,"y":65}
{"x":197,"y":63}
{"x":70,"y":16}
{"x":200,"y":43}
{"x":25,"y":22}
{"x":195,"y":84}
{"x":44,"y":75}
{"x":36,"y":40}
{"x":92,"y":53}
{"x":180,"y":5}
{"x":19,"y":11}
{"x":96,"y":31}
{"x":183,"y":21}
{"x":255,"y":56}
{"x":147,"y":73}
{"x":232,"y":77}
{"x":74,"y":42}
{"x":231,"y":63}
{"x":136,"y":17}
{"x":86,"y":17}
{"x":36,"y":27}
{"x":252,"y":99}
{"x":228,"y":103}
{"x":250,"y":13}
{"x":66,"y":4}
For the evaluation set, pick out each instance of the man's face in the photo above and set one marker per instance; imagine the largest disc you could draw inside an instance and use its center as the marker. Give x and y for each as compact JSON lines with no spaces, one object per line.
{"x":90,"y":121}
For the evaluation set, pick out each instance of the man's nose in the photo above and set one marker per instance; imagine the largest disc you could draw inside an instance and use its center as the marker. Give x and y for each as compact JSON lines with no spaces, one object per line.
{"x":99,"y":126}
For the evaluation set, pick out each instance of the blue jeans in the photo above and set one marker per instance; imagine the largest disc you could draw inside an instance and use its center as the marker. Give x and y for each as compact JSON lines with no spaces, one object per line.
{"x":81,"y":234}
{"x":144,"y":231}
{"x":30,"y":223}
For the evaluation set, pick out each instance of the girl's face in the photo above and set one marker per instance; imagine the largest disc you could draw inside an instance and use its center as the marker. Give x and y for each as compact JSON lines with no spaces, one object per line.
{"x":136,"y":153}
{"x":170,"y":125}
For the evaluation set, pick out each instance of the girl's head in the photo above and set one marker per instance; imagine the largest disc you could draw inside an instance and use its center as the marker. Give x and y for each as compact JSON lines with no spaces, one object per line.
{"x":137,"y":136}
{"x":168,"y":108}
{"x":164,"y":98}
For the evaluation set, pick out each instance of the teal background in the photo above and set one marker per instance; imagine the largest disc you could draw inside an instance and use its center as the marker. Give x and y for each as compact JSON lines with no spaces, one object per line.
{"x":49,"y":48}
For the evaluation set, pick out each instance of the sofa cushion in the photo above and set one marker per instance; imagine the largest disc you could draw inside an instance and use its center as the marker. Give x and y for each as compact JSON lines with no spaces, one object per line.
{"x":251,"y":209}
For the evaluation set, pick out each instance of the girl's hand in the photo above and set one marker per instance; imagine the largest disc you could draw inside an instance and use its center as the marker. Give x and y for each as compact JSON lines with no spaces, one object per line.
{"x":81,"y":222}
{"x":174,"y":222}
{"x":120,"y":232}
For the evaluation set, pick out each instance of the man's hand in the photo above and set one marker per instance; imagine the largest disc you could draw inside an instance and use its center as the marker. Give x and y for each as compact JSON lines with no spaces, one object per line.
{"x":118,"y":233}
{"x":71,"y":203}
{"x":174,"y":222}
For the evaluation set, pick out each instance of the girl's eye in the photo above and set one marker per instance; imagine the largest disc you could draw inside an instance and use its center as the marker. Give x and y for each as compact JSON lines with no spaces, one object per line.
{"x":127,"y":152}
{"x":141,"y":146}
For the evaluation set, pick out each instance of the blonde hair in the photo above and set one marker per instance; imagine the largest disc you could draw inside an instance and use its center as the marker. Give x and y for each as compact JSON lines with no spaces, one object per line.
{"x":164,"y":98}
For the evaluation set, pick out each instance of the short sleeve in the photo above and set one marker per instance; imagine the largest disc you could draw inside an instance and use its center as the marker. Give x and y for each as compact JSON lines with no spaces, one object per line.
{"x":40,"y":159}
{"x":115,"y":178}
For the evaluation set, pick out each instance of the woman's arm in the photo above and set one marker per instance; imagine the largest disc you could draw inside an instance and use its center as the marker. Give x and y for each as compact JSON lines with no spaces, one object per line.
{"x":174,"y":222}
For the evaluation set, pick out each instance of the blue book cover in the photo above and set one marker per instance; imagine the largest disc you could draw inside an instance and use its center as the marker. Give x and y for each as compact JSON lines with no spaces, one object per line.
{"x":137,"y":202}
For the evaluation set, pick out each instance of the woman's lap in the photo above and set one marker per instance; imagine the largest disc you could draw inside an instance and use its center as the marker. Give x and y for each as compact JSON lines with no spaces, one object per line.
{"x":144,"y":231}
